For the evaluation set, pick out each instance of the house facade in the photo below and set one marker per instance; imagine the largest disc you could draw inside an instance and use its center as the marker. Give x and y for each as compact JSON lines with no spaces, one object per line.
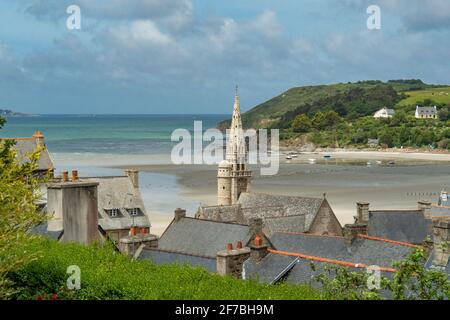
{"x":426,"y":112}
{"x":384,"y":113}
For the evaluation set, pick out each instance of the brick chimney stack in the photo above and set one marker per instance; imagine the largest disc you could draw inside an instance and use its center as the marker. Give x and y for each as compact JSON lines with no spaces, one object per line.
{"x":39,"y":137}
{"x":230,"y":261}
{"x":441,"y":239}
{"x":425,"y":206}
{"x":258,"y":248}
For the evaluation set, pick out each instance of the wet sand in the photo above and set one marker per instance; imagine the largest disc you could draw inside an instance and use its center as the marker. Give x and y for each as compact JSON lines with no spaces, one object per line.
{"x":345,"y":179}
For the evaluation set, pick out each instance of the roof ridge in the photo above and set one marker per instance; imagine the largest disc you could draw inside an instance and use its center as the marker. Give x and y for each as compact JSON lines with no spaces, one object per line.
{"x":400,"y":210}
{"x":281,"y":195}
{"x":400,"y":243}
{"x":215,"y":221}
{"x":179,"y":252}
{"x":310,"y":234}
{"x":406,"y":244}
{"x":331,"y":261}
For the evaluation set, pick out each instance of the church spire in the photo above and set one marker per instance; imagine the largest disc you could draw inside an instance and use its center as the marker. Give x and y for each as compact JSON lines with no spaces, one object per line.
{"x":236,"y":146}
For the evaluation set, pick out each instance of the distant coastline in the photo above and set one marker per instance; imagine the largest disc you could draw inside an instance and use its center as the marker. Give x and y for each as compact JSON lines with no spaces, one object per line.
{"x":9,"y":113}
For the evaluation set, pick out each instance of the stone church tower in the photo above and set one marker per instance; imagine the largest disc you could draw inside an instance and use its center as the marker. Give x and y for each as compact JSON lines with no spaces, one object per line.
{"x":233,"y":176}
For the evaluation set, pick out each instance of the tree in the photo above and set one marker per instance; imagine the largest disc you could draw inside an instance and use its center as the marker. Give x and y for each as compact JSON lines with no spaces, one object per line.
{"x":318,"y":120}
{"x":386,"y":138}
{"x":443,"y":114}
{"x":301,"y":123}
{"x":332,"y":119}
{"x":18,"y":212}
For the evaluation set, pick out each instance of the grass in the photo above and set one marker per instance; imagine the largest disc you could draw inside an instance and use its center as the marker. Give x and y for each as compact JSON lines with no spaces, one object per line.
{"x":106,"y":274}
{"x":438,"y":95}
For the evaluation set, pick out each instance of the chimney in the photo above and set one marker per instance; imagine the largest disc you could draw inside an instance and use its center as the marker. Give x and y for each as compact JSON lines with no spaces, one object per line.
{"x":441,"y":239}
{"x":258,"y":249}
{"x":133,"y":174}
{"x":39,"y":137}
{"x":130,"y":244}
{"x":230,"y":261}
{"x":351,"y":232}
{"x":179,"y":214}
{"x":443,"y":198}
{"x":425,"y":206}
{"x":362,"y":210}
{"x":74,"y":175}
{"x":75,"y":208}
{"x":256,"y":226}
{"x":65,"y":176}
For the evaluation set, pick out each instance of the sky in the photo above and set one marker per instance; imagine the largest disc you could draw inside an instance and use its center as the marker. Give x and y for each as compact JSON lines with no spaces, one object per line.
{"x":187,"y":56}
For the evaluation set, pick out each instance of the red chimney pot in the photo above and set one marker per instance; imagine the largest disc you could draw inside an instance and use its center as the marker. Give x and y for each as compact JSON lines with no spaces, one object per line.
{"x":239,"y":244}
{"x":229,"y":246}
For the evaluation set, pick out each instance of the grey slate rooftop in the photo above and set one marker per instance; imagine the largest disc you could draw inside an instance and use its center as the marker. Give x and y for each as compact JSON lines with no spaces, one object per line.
{"x":25,"y":146}
{"x":426,"y":110}
{"x":406,"y":226}
{"x":362,"y":250}
{"x":279,"y":212}
{"x":202,"y":237}
{"x":119,"y":193}
{"x":276,"y":266}
{"x":159,"y":256}
{"x":42,"y":230}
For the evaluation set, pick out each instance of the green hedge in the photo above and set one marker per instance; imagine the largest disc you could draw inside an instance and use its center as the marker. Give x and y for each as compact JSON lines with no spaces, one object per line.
{"x":106,"y":274}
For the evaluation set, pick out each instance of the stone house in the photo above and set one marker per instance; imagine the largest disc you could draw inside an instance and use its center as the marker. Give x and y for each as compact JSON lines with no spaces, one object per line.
{"x":117,"y":200}
{"x":412,"y":226}
{"x":297,"y":258}
{"x":278,"y":212}
{"x":220,"y":247}
{"x":25,"y":146}
{"x":384,"y":113}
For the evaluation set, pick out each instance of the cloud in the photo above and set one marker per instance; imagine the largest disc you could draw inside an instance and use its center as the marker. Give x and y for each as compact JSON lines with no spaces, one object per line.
{"x":174,"y":14}
{"x":416,"y":15}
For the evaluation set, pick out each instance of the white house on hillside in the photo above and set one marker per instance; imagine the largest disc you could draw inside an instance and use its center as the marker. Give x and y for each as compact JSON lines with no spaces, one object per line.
{"x":426,"y":112}
{"x":384,"y":113}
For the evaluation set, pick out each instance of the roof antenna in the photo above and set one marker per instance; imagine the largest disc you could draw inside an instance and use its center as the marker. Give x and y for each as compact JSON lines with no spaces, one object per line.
{"x":237,"y":89}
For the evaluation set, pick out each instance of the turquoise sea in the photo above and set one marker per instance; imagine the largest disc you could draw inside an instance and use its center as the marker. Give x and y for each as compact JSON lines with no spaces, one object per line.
{"x":95,"y":144}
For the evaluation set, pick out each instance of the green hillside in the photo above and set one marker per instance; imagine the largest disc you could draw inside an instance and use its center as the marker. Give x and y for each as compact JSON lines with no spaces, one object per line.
{"x":440,"y":95}
{"x":349,"y":100}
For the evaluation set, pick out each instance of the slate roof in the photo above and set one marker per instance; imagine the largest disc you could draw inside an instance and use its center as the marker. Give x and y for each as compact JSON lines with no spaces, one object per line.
{"x":440,"y":211}
{"x":426,"y":110}
{"x":159,"y":256}
{"x":400,"y":225}
{"x":279,"y":212}
{"x":202,"y":237}
{"x":276,"y":266}
{"x":231,"y":213}
{"x":119,"y":193}
{"x":362,"y":250}
{"x":42,"y":230}
{"x":25,"y":146}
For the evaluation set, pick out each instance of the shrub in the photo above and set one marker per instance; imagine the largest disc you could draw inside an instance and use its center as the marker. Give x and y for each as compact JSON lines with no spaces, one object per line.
{"x":107,"y":274}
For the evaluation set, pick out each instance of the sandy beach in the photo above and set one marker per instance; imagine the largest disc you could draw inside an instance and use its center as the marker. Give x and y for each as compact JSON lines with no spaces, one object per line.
{"x":387,"y":180}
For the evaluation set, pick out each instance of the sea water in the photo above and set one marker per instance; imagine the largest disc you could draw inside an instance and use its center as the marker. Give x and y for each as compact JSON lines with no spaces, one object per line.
{"x":96,"y":144}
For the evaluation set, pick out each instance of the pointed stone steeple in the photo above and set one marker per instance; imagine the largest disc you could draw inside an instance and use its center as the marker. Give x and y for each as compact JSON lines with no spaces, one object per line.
{"x":233,"y":176}
{"x":236,"y":151}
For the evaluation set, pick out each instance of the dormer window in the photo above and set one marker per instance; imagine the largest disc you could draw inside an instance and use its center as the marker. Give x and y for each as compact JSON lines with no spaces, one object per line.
{"x":113,"y":213}
{"x":134,"y":212}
